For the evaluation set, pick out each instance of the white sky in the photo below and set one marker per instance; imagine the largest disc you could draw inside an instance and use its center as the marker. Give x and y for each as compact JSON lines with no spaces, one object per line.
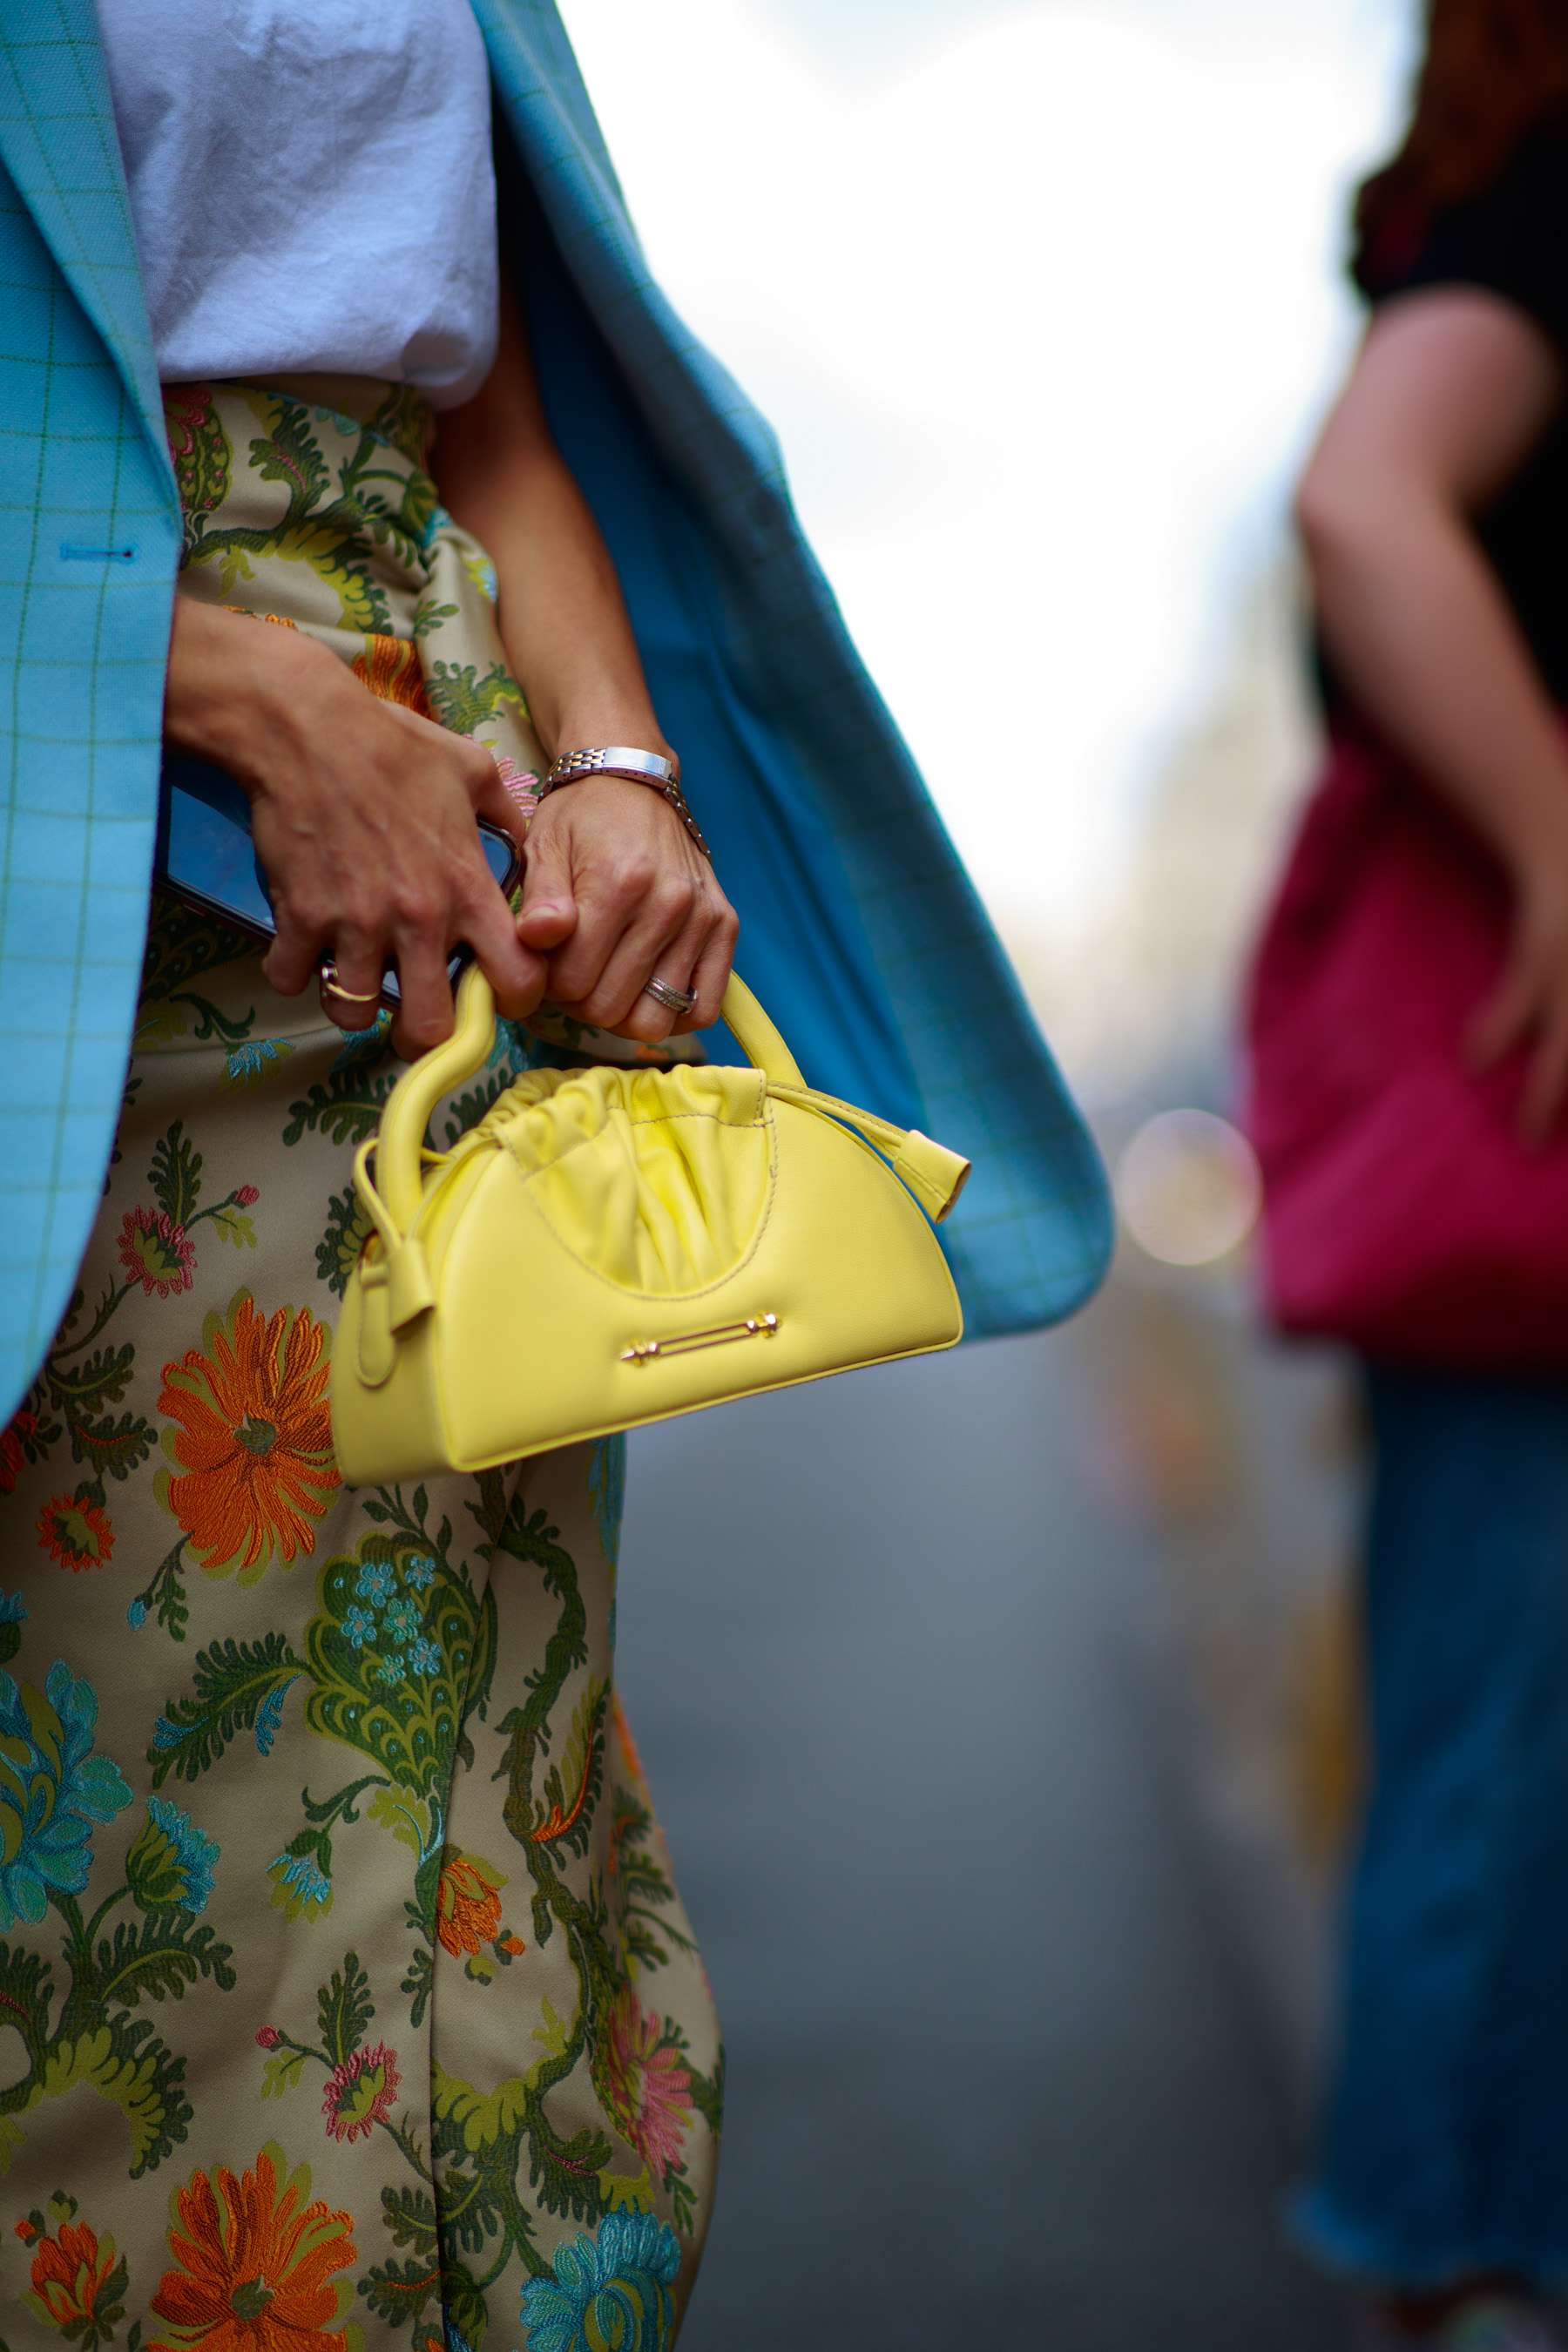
{"x":1042,"y":300}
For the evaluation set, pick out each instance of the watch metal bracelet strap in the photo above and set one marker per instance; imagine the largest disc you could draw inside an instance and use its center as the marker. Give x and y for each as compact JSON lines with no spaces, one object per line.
{"x":641,"y":767}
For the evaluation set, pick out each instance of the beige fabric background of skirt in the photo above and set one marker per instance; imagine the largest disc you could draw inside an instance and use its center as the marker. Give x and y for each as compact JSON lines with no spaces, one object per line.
{"x":349,"y":1999}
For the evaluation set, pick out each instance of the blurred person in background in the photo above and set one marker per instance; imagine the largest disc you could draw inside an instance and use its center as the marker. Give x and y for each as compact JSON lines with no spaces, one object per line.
{"x":1409,"y":1062}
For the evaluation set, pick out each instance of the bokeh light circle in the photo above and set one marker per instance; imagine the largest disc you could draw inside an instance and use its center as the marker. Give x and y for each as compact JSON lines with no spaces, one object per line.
{"x":1188,"y":1187}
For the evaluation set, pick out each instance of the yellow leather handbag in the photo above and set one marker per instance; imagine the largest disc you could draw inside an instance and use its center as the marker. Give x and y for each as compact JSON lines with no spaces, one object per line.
{"x":612,"y":1246}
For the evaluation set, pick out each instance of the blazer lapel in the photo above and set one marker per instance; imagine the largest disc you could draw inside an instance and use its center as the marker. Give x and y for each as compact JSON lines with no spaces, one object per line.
{"x":58,"y":142}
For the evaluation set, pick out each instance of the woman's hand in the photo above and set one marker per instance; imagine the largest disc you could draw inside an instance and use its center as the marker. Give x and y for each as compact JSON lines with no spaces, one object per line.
{"x":1530,"y":1002}
{"x":617,"y":893}
{"x":364,"y":817}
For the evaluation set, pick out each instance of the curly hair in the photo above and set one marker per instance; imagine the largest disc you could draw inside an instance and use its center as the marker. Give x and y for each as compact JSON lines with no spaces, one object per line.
{"x":1493,"y":71}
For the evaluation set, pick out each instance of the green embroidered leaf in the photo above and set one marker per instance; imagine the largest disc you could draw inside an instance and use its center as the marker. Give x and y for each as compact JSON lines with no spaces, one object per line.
{"x":345,"y":2009}
{"x":280,"y":2074}
{"x":235,"y":1226}
{"x":480,"y":2121}
{"x":175,"y":1175}
{"x":707,"y":2095}
{"x":157,"y":1956}
{"x":233,"y":1681}
{"x":337,"y":1251}
{"x":286,"y":450}
{"x":399,"y":2291}
{"x":347,"y":1108}
{"x":166,"y":1593}
{"x":102,"y":1380}
{"x":27,"y":1992}
{"x":112,"y":1449}
{"x":428,"y":618}
{"x":410,"y":2216}
{"x":463,"y":700}
{"x":137,"y":2073}
{"x":566,"y":2173}
{"x":419,"y":1982}
{"x":213,"y":1023}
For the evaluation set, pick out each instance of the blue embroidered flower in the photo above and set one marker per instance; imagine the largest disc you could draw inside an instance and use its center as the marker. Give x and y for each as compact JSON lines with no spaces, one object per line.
{"x":376,"y":1583}
{"x":425,"y":1657}
{"x":402,"y":1620}
{"x":359,"y":1625}
{"x":136,"y":1614}
{"x":171,"y":1865}
{"x":613,"y":2289}
{"x":11,"y":1610}
{"x":392,"y":1669}
{"x":52,"y":1788}
{"x":419,"y":1571}
{"x":300,"y":1884}
{"x":246,"y":1063}
{"x":361,"y":1044}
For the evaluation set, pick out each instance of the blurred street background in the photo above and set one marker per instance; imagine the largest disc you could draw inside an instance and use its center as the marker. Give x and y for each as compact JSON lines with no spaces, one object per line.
{"x":1002,"y":1709}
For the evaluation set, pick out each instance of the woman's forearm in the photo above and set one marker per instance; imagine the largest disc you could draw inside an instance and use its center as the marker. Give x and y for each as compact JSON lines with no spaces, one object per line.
{"x":1417,"y":625}
{"x":562,"y":615}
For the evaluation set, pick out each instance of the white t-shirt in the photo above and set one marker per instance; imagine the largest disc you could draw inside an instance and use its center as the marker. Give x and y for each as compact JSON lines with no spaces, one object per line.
{"x":311,"y":186}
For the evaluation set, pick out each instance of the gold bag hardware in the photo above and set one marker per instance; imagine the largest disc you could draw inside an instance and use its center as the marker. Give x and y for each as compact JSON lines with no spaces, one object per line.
{"x":612,"y":1246}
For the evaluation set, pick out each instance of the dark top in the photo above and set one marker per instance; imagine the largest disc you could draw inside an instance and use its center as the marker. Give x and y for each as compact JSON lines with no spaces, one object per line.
{"x":1512,"y":239}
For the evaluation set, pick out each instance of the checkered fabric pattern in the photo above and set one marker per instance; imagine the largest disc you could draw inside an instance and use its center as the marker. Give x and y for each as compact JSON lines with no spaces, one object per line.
{"x":89,"y":543}
{"x":89,"y":546}
{"x":1032,"y":1234}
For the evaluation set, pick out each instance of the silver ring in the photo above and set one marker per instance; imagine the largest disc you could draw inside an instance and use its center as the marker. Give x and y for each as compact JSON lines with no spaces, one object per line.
{"x":674,"y":1000}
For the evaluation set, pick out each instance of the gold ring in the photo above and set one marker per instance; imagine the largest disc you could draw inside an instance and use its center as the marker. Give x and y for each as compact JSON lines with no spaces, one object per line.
{"x":329,"y":979}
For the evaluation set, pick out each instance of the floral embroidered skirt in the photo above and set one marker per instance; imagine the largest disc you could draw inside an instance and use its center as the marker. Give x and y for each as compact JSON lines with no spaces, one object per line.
{"x":349,"y":1999}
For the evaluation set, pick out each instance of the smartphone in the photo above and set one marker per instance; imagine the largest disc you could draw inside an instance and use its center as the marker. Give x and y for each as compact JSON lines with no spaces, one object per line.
{"x":205,"y":856}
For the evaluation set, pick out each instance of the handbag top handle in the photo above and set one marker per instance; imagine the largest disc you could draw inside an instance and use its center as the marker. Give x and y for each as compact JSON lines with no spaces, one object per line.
{"x":399,"y":1157}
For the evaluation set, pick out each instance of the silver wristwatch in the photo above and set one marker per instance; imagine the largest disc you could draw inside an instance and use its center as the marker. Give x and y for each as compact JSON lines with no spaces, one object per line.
{"x":641,"y":767}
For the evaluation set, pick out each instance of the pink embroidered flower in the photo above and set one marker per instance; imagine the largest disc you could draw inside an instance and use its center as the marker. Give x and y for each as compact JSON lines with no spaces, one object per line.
{"x":650,"y":2090}
{"x":156,"y":1253}
{"x":246,"y":1197}
{"x":520,"y":784}
{"x":269,"y":2036}
{"x":360,"y":2093}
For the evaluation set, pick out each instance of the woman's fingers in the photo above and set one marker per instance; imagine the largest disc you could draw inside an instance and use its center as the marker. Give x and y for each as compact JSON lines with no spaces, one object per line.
{"x":643,"y":905}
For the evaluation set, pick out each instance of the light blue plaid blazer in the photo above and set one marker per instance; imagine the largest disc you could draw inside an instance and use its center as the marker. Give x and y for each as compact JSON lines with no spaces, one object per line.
{"x":860,"y":930}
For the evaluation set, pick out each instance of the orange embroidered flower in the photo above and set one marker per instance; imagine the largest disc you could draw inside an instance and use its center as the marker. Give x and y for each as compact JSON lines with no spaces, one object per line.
{"x":468,"y":1905}
{"x":256,"y":2262}
{"x":390,"y":667}
{"x":254,"y":1439}
{"x":76,"y":1533}
{"x":75,"y":2282}
{"x":14,"y":1450}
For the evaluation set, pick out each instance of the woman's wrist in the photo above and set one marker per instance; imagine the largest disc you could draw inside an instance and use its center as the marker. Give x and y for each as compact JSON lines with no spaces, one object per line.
{"x":235,"y":684}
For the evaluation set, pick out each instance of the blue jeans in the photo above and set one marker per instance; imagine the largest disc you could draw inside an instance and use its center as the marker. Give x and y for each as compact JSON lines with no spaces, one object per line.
{"x":1445,"y":2146}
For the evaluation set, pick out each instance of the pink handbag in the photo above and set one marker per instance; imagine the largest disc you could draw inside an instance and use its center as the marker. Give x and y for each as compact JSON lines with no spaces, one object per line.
{"x":1401,"y":1212}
